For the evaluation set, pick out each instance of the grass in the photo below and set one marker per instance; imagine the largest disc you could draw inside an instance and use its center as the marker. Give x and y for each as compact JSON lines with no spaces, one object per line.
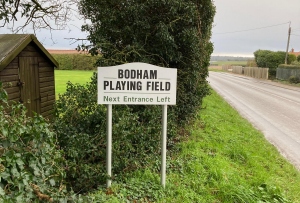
{"x":224,"y":160}
{"x":74,"y":76}
{"x":233,"y":160}
{"x":286,"y":83}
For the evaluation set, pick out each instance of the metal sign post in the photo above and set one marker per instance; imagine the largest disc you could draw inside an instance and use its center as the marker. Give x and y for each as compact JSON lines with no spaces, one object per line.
{"x":109,"y":144}
{"x":163,"y":145}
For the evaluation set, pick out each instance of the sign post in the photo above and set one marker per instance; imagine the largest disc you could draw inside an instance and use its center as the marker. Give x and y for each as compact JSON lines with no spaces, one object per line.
{"x":109,"y":144}
{"x":137,"y":84}
{"x":163,"y":145}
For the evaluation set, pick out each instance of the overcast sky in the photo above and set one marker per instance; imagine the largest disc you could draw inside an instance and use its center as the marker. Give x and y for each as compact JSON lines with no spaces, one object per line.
{"x":232,"y":17}
{"x":238,"y":15}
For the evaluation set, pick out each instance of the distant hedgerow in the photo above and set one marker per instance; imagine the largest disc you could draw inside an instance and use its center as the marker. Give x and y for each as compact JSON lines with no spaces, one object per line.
{"x":76,"y":61}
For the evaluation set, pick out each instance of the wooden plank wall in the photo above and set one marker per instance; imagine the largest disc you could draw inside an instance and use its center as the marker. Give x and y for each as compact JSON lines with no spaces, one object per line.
{"x":237,"y":69}
{"x":256,"y":72}
{"x":226,"y":68}
{"x":9,"y":77}
{"x":47,"y":87}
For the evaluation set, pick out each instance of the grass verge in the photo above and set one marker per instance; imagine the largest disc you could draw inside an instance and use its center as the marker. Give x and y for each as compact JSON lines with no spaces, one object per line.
{"x":74,"y":76}
{"x":224,"y":160}
{"x":286,"y":83}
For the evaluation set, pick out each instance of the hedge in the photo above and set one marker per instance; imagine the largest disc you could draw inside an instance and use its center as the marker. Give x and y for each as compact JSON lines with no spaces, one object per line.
{"x":76,"y":61}
{"x":289,"y":66}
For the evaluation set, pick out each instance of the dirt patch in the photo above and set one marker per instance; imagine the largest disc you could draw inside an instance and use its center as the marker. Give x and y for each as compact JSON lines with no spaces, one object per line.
{"x":70,"y":51}
{"x":215,"y":67}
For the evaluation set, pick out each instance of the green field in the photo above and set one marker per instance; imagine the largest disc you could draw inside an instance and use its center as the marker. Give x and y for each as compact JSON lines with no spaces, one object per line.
{"x":220,"y":63}
{"x":74,"y":76}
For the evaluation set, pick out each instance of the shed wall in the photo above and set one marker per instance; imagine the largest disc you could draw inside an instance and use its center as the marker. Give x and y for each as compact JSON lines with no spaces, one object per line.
{"x":44,"y":78}
{"x":10,"y":77}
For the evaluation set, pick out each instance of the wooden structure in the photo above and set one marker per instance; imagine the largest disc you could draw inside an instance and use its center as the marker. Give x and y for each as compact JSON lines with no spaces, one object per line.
{"x":27,"y":72}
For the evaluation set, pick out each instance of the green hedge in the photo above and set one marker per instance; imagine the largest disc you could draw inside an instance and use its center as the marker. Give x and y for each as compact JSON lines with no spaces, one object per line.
{"x":271,"y":59}
{"x":177,"y":35}
{"x":289,"y":66}
{"x":76,"y":61}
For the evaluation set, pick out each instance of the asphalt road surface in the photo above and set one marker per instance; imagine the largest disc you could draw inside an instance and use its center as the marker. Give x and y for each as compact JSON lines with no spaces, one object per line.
{"x":271,"y":107}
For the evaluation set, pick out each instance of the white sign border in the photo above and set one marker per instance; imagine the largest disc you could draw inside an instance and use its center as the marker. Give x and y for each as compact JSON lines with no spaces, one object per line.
{"x":160,"y":96}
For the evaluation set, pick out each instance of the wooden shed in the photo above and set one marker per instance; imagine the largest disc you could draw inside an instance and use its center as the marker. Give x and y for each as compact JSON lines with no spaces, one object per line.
{"x":27,"y":72}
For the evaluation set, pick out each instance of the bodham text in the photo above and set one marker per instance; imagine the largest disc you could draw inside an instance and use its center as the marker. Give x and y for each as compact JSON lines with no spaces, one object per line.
{"x":137,"y":74}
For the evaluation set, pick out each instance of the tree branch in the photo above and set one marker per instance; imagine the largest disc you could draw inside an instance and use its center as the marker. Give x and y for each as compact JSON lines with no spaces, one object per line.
{"x":40,"y":14}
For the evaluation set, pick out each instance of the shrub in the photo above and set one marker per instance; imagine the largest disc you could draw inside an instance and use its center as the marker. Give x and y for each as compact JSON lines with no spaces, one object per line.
{"x":31,"y":164}
{"x":297,"y":63}
{"x":293,"y":66}
{"x":76,"y":61}
{"x":291,"y":58}
{"x":64,"y":61}
{"x":273,"y":59}
{"x":294,"y":79}
{"x":251,"y":63}
{"x":176,"y":35}
{"x":81,"y":127}
{"x":298,"y":58}
{"x":270,"y":59}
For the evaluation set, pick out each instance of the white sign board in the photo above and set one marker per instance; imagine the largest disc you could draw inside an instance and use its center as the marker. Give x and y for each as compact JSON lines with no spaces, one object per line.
{"x":137,"y":83}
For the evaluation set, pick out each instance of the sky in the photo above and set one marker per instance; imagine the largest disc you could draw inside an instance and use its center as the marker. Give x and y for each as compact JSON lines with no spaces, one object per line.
{"x":266,"y":22}
{"x":238,"y":15}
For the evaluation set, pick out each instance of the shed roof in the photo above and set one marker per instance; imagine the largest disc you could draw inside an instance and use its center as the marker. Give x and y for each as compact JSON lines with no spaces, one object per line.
{"x":12,"y":44}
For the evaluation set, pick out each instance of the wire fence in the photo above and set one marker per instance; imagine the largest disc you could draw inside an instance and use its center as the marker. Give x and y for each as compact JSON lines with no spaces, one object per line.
{"x":285,"y":73}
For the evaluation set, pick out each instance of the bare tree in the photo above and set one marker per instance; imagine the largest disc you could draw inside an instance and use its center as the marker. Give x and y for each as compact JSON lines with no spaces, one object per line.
{"x":37,"y":14}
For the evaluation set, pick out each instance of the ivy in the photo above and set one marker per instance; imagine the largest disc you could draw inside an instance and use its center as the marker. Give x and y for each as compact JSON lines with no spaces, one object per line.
{"x":31,"y":163}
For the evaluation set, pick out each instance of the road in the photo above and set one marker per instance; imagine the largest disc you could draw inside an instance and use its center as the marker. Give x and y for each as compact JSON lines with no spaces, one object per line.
{"x":271,"y":107}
